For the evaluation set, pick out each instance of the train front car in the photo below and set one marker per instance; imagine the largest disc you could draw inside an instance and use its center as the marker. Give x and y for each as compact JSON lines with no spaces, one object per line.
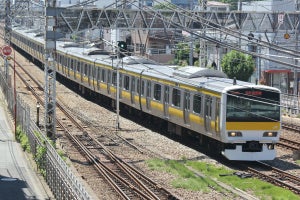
{"x":252,"y":122}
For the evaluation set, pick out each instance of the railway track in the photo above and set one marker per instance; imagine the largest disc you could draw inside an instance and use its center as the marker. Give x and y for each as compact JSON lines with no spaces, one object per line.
{"x":275,"y":176}
{"x":291,"y":126}
{"x":289,"y":143}
{"x":124,"y":179}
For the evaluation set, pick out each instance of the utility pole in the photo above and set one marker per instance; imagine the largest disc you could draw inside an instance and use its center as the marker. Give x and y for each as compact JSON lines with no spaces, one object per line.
{"x":202,"y":45}
{"x":7,"y":29}
{"x":49,"y":66}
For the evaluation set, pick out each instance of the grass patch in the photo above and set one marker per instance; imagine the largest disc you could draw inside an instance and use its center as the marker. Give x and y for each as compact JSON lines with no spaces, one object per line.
{"x":23,"y":139}
{"x":187,"y":179}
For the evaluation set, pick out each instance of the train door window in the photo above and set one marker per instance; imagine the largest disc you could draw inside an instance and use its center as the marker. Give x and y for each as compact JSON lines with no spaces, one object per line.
{"x":197,"y":101}
{"x":78,"y":66}
{"x":71,"y":64}
{"x":133,"y":84}
{"x":157,"y":92}
{"x":114,"y":78}
{"x":65,"y":61}
{"x":126,"y":82}
{"x":138,"y":87}
{"x":103,"y":75}
{"x":89,"y":71}
{"x":176,"y":95}
{"x":187,"y":103}
{"x":166,"y":97}
{"x":148,"y":94}
{"x":120,"y":80}
{"x":217,"y":115}
{"x":98,"y":71}
{"x":109,"y":76}
{"x":143,"y":88}
{"x":208,"y":106}
{"x":85,"y":69}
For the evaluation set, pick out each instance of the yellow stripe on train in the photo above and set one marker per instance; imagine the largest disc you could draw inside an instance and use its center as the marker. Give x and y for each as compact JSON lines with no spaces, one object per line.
{"x":175,"y":112}
{"x":253,"y":126}
{"x":157,"y":106}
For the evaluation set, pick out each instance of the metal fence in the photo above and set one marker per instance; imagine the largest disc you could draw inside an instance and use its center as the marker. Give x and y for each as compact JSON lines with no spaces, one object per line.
{"x":290,"y":104}
{"x":60,"y":179}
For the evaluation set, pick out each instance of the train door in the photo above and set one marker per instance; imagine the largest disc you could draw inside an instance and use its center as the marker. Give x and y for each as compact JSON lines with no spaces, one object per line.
{"x":74,"y":68}
{"x":78,"y":69}
{"x":166,"y":101}
{"x":120,"y":85}
{"x":217,"y":117}
{"x":98,"y":75}
{"x":88,"y":74}
{"x":132,"y":90}
{"x":186,"y":107}
{"x":207,"y":113}
{"x":148,"y":95}
{"x":68,"y":66}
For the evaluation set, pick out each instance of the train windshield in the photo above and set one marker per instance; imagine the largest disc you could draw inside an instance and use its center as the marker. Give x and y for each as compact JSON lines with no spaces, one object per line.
{"x":252,"y":105}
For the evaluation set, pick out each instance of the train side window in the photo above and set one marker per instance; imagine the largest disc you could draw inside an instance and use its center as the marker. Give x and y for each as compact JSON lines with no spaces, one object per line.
{"x":103,"y":75}
{"x":126,"y":82}
{"x":157,"y":92}
{"x":197,"y":104}
{"x":176,"y":95}
{"x":60,"y":59}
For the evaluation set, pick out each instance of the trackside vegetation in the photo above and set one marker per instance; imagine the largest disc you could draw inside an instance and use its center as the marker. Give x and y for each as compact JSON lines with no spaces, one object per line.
{"x":40,"y":151}
{"x":201,"y":176}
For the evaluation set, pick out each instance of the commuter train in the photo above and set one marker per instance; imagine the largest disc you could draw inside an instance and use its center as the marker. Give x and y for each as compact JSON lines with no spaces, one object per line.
{"x":238,"y":119}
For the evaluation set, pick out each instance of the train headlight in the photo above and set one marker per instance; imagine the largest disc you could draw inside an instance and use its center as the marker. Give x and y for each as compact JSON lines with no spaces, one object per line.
{"x":270,"y":134}
{"x":234,"y":134}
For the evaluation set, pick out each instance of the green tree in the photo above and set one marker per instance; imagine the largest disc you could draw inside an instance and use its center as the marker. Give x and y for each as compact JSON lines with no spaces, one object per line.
{"x":239,"y":65}
{"x":182,"y":54}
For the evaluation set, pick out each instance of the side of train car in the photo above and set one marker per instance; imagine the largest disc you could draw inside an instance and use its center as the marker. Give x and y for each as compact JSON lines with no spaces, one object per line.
{"x":244,"y":118}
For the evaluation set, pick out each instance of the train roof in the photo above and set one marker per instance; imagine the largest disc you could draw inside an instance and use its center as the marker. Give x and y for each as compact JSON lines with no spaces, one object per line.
{"x":194,"y":76}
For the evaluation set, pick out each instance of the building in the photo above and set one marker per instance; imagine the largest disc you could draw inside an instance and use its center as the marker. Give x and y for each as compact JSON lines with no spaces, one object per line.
{"x":271,"y":73}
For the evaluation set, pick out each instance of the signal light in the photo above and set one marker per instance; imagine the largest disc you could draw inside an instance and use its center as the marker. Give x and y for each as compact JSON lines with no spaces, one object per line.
{"x":122,"y":45}
{"x":122,"y":48}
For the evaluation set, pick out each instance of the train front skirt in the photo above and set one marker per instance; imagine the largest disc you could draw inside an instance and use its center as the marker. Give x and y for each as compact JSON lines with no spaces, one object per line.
{"x":238,"y":154}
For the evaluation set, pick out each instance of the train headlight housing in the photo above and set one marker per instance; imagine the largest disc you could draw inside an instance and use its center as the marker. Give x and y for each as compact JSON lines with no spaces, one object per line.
{"x":234,"y":134}
{"x":270,"y":134}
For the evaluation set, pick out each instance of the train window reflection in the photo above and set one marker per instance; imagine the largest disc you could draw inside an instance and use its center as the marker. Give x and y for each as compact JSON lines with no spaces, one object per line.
{"x":197,"y":104}
{"x":253,"y":109}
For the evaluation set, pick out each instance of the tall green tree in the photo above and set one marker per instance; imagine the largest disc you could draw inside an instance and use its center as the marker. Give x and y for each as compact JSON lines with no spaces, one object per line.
{"x":239,"y":65}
